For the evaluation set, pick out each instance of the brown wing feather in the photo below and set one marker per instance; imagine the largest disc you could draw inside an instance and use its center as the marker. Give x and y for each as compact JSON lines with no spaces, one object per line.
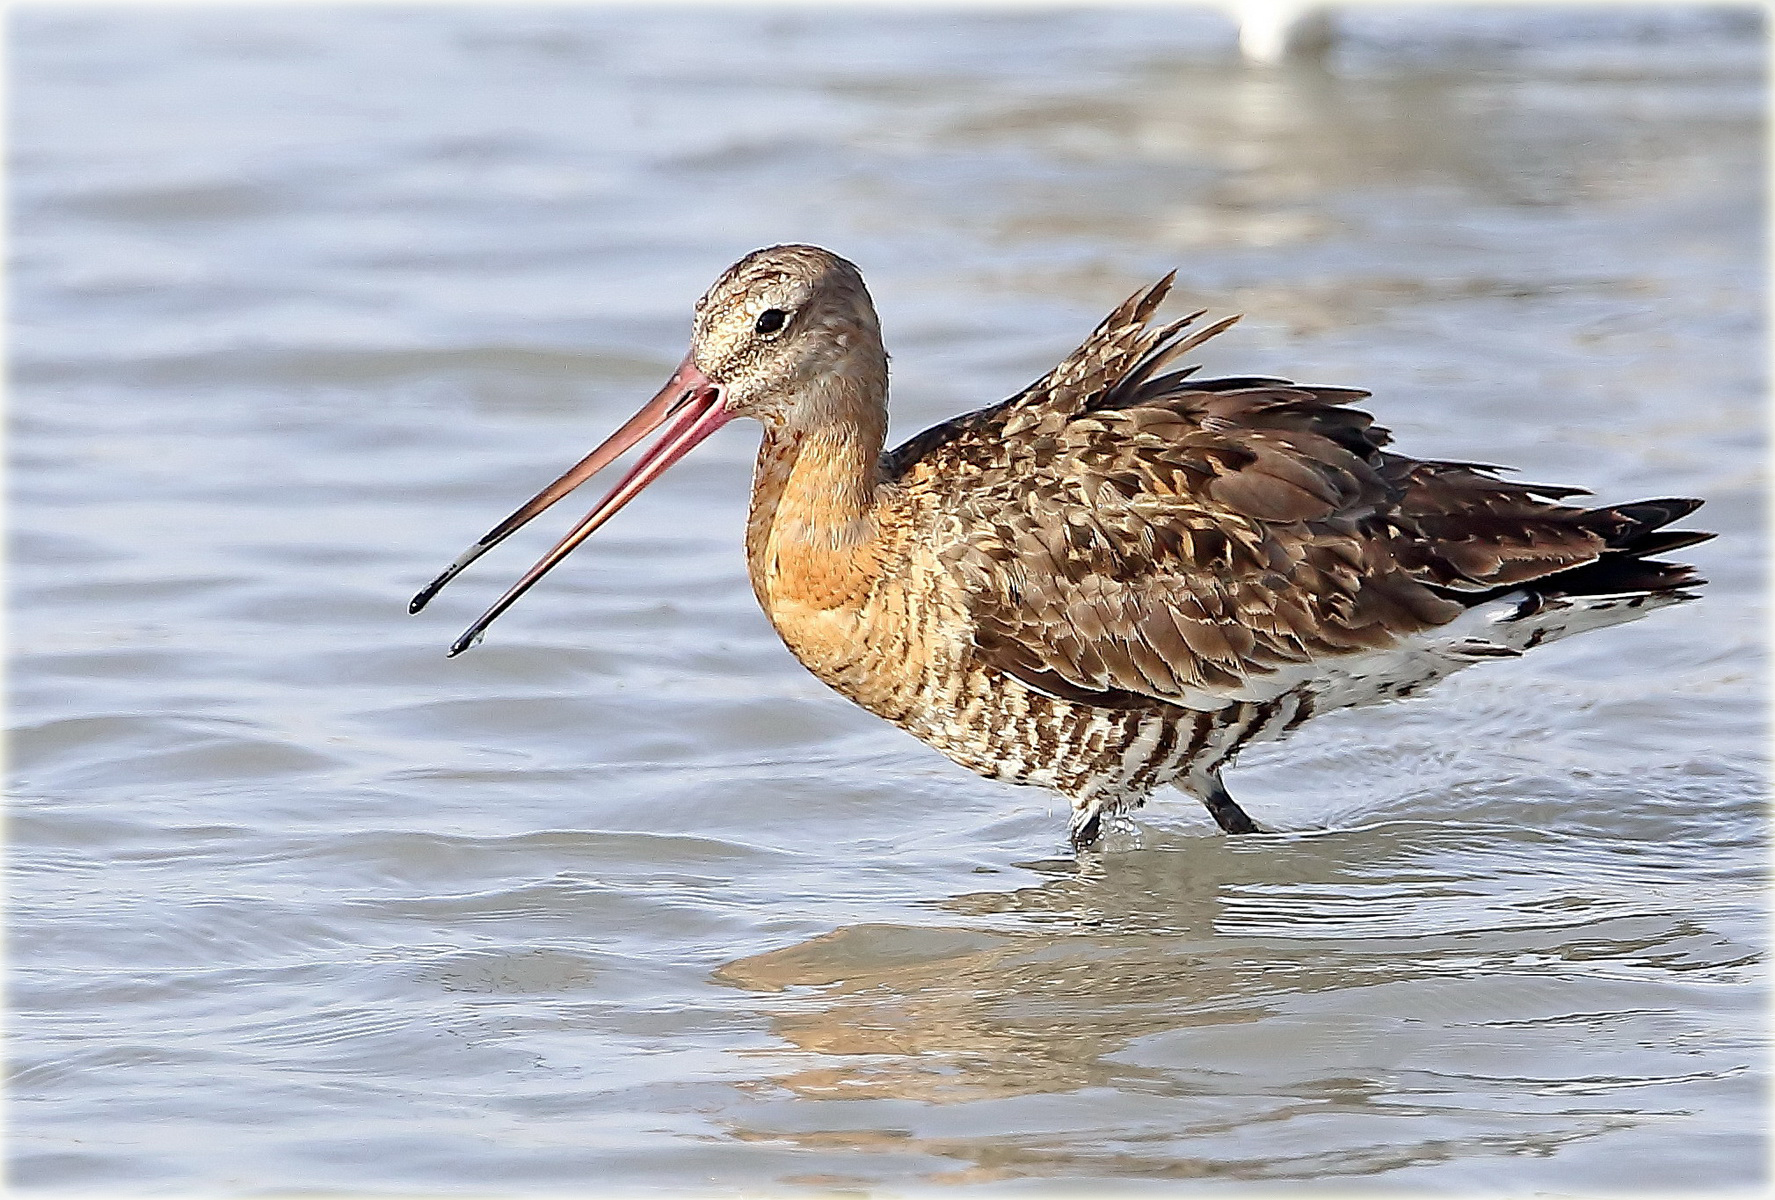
{"x":1124,"y":536}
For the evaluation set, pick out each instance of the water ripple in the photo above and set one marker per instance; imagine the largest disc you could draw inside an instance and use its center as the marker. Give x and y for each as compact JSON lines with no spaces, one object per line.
{"x":303,"y":299}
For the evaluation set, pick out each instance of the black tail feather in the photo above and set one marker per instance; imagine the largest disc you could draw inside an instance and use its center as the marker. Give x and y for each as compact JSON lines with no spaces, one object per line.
{"x":1622,"y":526}
{"x":1618,"y":574}
{"x":1664,"y":541}
{"x":1631,"y":533}
{"x":1647,"y":515}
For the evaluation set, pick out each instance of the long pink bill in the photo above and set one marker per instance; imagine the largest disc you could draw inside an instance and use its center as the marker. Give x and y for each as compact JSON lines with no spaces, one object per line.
{"x":685,"y":381}
{"x":689,"y":406}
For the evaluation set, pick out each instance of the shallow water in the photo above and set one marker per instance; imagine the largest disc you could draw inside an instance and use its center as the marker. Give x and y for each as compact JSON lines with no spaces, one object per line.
{"x":305,"y":299}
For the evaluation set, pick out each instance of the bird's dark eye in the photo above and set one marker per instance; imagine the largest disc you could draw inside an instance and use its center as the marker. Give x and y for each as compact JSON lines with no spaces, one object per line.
{"x":771,"y":320}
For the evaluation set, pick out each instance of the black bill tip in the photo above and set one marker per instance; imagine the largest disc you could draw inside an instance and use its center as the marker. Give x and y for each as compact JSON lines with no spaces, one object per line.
{"x":424,"y":597}
{"x":452,"y":571}
{"x":467,"y":641}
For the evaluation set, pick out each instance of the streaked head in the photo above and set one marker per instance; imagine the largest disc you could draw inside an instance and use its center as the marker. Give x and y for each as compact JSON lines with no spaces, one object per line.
{"x":784,"y":325}
{"x":786,"y":335}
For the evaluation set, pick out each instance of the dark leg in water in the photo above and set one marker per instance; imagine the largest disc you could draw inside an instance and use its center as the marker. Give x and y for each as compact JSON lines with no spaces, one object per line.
{"x":1225,"y":810}
{"x":1085,"y":827}
{"x":1087,"y":824}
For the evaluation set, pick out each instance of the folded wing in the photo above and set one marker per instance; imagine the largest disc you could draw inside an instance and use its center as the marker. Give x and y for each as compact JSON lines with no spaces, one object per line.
{"x":1125,"y":534}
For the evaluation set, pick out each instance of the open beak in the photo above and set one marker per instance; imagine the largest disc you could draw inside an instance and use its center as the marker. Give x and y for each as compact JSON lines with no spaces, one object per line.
{"x":689,"y":406}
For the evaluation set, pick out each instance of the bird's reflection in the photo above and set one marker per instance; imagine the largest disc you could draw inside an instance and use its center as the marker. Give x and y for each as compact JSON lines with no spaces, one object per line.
{"x":1207,"y":997}
{"x":946,"y":1014}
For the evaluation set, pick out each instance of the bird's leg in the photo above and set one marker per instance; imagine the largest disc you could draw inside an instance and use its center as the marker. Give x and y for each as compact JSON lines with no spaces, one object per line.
{"x":1224,"y":809}
{"x":1087,"y":824}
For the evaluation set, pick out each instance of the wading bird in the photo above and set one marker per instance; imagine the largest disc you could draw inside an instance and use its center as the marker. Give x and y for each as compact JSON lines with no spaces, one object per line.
{"x":1122,"y":576}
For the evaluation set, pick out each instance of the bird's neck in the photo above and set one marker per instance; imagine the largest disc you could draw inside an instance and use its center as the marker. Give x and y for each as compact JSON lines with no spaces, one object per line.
{"x":812,"y":540}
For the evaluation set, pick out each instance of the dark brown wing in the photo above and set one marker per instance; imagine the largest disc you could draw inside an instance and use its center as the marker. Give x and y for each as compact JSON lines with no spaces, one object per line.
{"x":1126,"y":535}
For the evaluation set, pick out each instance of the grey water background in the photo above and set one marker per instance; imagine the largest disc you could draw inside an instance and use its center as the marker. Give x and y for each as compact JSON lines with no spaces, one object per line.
{"x":304,"y":299}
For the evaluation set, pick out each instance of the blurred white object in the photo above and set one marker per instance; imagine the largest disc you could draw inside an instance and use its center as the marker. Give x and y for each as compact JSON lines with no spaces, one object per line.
{"x":1273,"y":30}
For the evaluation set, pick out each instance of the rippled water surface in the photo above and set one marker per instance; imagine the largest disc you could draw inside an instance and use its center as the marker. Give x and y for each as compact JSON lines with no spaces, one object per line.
{"x":304,"y":299}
